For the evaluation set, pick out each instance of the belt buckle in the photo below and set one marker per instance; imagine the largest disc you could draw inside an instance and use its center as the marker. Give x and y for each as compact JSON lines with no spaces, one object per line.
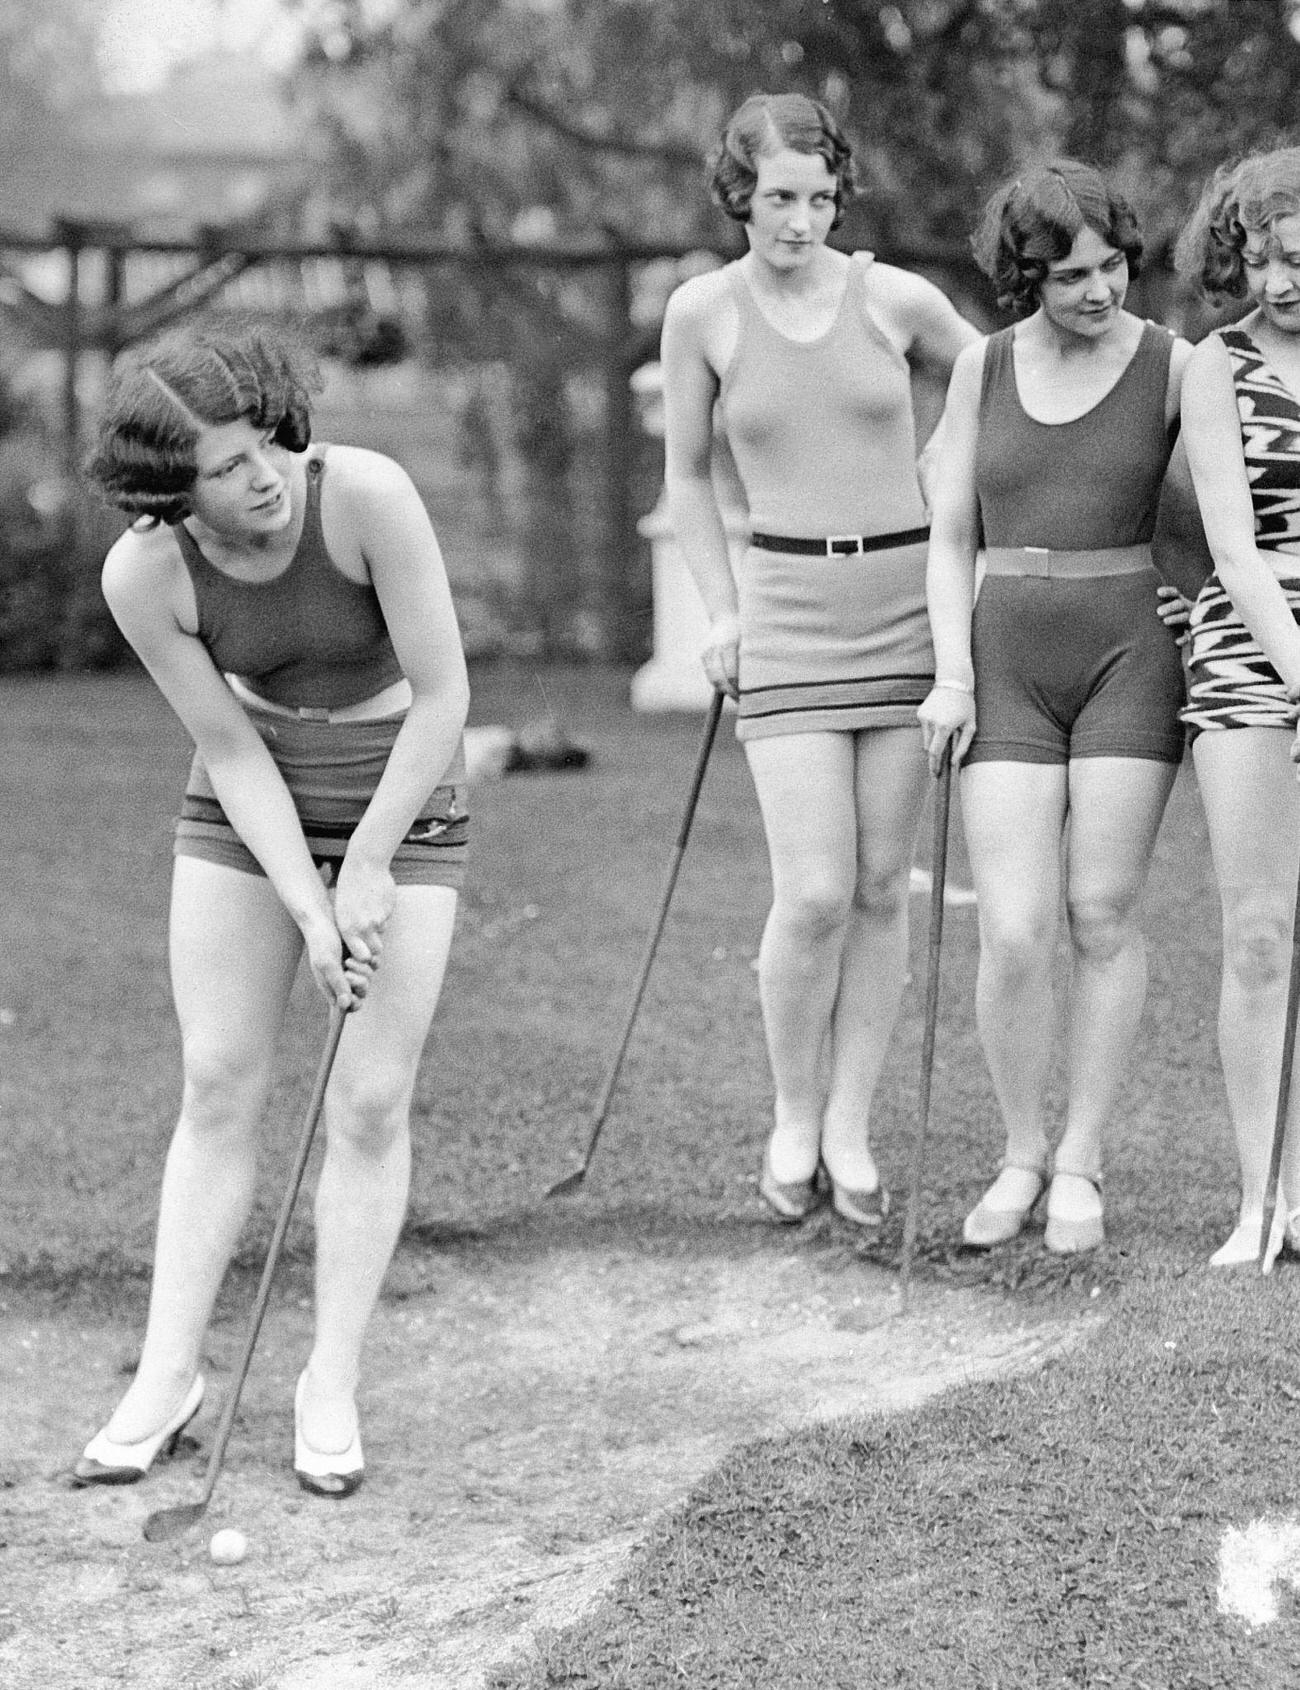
{"x":314,"y":713}
{"x":844,"y":545}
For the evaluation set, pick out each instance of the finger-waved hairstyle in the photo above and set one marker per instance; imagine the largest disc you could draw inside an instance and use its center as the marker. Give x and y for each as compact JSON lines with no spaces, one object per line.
{"x":1031,"y":223}
{"x":1239,"y":200}
{"x":766,"y":124}
{"x":162,"y":393}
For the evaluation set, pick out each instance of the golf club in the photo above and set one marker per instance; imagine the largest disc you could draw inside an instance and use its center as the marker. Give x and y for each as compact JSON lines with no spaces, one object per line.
{"x":1283,"y":1090}
{"x":571,"y":1182}
{"x":942,"y":804}
{"x":166,"y":1523}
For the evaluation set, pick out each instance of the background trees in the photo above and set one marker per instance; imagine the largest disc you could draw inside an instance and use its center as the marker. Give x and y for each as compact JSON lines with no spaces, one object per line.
{"x":555,"y":123}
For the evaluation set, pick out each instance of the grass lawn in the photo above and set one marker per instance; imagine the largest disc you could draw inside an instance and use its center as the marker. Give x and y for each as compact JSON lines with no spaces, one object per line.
{"x":1059,"y":1530}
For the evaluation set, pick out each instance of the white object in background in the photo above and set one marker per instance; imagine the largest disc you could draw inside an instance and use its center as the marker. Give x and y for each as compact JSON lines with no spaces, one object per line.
{"x":1252,"y":1563}
{"x":674,"y":678}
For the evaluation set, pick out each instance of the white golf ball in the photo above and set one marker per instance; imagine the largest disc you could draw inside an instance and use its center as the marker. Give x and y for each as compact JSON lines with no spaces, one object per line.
{"x":228,"y":1546}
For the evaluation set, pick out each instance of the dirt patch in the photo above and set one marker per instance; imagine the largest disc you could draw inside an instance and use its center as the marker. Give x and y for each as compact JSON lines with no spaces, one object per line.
{"x":524,"y":1416}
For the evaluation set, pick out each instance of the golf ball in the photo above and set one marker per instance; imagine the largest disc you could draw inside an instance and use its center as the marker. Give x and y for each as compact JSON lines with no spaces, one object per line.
{"x":228,"y":1546}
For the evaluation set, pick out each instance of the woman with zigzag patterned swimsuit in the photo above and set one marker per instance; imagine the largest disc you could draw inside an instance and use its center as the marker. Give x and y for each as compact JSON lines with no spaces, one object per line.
{"x":1241,"y":423}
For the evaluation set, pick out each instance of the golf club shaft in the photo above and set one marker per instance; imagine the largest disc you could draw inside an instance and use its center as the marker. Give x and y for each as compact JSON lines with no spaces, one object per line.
{"x":1283,"y":1088}
{"x":942,"y":806}
{"x":643,"y":974}
{"x":314,"y":1108}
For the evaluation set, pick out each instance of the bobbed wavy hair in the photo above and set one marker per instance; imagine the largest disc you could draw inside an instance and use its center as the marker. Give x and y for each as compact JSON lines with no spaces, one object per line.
{"x":1239,"y":200}
{"x":769,"y":123}
{"x":1030,"y":224}
{"x":162,"y":393}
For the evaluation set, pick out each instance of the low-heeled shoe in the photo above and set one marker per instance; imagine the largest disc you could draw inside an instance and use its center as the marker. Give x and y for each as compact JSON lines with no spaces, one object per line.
{"x":863,"y":1208}
{"x":334,"y":1476}
{"x":104,"y":1462}
{"x":1064,"y":1236}
{"x":791,"y":1201}
{"x":987,"y":1226}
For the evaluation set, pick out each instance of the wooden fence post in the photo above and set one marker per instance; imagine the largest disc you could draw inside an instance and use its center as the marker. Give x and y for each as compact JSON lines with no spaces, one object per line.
{"x":70,"y":237}
{"x":620,"y":536}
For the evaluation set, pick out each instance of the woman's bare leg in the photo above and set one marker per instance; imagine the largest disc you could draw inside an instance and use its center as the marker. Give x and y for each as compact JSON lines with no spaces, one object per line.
{"x":1252,"y":806}
{"x":806,"y":792}
{"x":1015,"y":815}
{"x":891,"y":778}
{"x":1116,"y":804}
{"x":234,"y":952}
{"x":362,"y":1194}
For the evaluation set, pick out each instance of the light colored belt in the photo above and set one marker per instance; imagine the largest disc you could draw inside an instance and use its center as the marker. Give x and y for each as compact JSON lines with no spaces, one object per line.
{"x":389,"y":701}
{"x":1066,"y":566}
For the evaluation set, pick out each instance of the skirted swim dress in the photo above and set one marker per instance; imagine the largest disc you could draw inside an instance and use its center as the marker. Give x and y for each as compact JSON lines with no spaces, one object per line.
{"x":824,"y":441}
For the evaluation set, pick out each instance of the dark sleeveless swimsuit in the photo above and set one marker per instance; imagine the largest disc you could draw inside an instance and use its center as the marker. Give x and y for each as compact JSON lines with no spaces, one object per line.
{"x":823,"y":439}
{"x":1230,"y":682}
{"x":1069,"y":667}
{"x":311,"y":639}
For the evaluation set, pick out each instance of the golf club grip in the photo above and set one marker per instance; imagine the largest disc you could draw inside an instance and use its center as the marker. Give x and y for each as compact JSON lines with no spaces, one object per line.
{"x":938,"y":885}
{"x":226,"y":1423}
{"x":601,"y":1107}
{"x":1283,"y":1086}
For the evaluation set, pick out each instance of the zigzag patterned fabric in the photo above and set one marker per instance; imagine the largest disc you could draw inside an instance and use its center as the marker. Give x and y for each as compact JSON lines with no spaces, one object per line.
{"x":1231,"y":684}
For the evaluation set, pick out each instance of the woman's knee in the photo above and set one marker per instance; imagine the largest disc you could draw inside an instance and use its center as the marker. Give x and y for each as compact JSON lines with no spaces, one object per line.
{"x":1015,"y":943}
{"x":881,"y":894}
{"x":1102,"y":927}
{"x":225,"y":1086}
{"x":370,"y":1109}
{"x":814,"y":910}
{"x":1257,"y":941}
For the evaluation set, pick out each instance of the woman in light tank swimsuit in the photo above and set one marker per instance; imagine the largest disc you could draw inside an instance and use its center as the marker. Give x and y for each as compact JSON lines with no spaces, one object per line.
{"x":822,"y":637}
{"x":1059,"y":686}
{"x":1241,"y":423}
{"x":291,"y":603}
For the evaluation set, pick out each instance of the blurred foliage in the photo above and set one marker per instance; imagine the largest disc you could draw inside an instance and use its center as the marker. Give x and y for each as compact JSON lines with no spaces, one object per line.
{"x":538,"y":119}
{"x":52,"y":541}
{"x":581,"y":121}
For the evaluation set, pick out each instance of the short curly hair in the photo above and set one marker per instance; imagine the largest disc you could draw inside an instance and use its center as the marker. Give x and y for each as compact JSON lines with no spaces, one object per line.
{"x":209,"y":371}
{"x":1239,"y":200}
{"x":1030,"y":224}
{"x":765,"y":124}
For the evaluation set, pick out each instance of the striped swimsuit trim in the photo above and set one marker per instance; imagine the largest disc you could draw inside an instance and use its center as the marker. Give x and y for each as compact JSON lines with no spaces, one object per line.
{"x":438,"y":835}
{"x":1231,"y":683}
{"x":874,"y":696}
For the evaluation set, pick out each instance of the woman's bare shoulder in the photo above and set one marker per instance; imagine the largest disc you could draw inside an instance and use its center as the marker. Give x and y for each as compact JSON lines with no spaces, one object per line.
{"x":142,"y":579}
{"x":356,"y":476}
{"x":697,"y":301}
{"x":143,"y":553}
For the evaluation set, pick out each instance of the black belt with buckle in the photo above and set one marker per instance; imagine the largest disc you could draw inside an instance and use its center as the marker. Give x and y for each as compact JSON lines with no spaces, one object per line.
{"x":839,"y":545}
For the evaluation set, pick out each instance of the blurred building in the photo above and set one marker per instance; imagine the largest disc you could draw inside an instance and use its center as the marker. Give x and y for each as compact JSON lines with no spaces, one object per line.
{"x":218,"y":142}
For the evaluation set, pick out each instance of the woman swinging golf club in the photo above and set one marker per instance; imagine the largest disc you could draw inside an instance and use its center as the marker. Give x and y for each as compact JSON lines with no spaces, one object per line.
{"x":291,"y":603}
{"x":1059,"y":687}
{"x":823,"y":638}
{"x":1241,"y":422}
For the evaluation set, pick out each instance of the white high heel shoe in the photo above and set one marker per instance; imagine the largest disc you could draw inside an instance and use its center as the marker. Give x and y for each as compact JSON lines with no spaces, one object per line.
{"x":104,"y":1462}
{"x":334,"y":1476}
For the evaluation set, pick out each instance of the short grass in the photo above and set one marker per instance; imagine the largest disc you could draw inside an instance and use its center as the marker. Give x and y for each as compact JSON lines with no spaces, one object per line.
{"x":1058,"y":1530}
{"x":1042,"y":1533}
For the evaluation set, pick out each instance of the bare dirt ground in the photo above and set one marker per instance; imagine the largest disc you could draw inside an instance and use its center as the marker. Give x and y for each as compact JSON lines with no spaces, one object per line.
{"x":526,"y":1414}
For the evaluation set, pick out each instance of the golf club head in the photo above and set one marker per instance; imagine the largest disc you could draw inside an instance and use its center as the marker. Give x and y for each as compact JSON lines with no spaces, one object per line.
{"x":165,"y":1523}
{"x":566,"y":1186}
